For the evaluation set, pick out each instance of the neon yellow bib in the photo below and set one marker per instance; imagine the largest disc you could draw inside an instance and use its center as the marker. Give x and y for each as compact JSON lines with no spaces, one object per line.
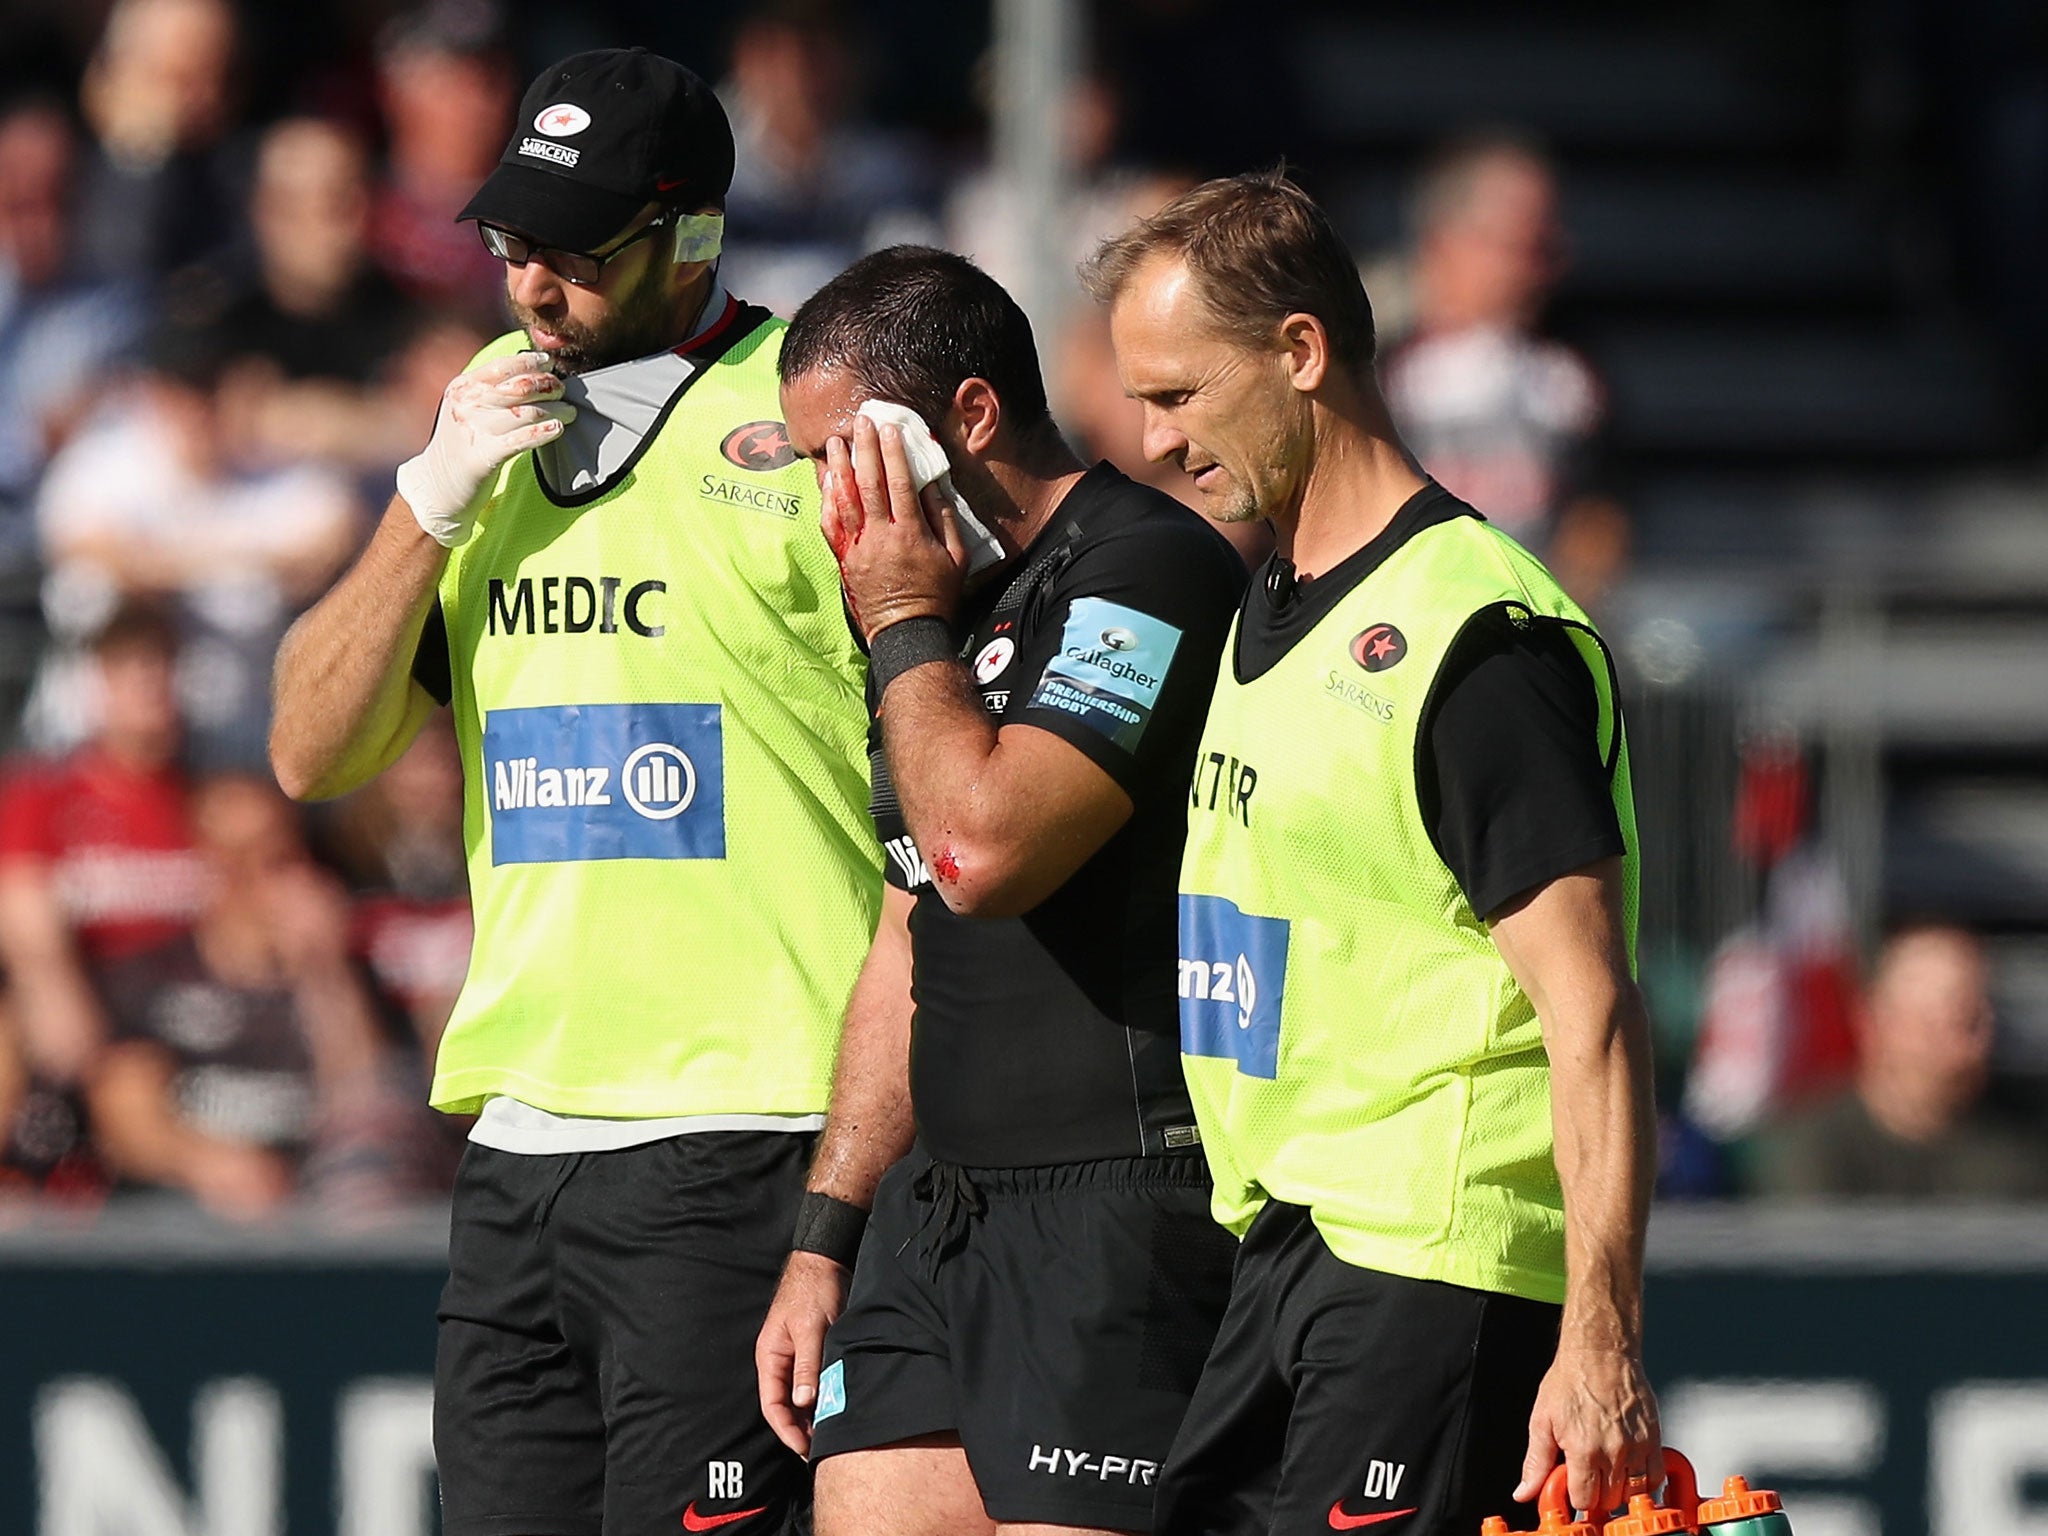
{"x":1353,"y":1041}
{"x":663,"y":736}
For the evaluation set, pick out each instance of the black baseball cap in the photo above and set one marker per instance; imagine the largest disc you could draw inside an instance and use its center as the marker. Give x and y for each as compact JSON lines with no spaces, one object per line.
{"x":599,"y":136}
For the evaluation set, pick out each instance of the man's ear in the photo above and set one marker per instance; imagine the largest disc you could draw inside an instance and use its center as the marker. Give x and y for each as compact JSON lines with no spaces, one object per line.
{"x":976,"y":415}
{"x":1307,"y":346}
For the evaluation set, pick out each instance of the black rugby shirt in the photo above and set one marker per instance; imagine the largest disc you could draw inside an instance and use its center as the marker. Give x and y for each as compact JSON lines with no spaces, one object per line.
{"x":1054,"y":1037}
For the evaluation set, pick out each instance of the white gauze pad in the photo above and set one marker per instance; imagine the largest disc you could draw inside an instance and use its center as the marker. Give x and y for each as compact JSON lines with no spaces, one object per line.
{"x":928,"y":466}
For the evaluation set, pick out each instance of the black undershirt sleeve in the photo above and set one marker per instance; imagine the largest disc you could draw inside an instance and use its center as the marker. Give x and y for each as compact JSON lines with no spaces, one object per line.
{"x":1514,"y":788}
{"x":430,"y":666}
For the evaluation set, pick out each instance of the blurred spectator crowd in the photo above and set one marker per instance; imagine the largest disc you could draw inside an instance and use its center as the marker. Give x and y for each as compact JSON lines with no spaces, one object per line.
{"x":218,"y":337}
{"x":207,"y":993}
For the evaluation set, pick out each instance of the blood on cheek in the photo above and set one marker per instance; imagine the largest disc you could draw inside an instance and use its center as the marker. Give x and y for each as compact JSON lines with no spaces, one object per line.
{"x":945,"y":866}
{"x":837,"y":521}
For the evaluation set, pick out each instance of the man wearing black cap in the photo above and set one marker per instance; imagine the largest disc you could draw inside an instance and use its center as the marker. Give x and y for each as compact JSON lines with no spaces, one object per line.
{"x":606,"y":561}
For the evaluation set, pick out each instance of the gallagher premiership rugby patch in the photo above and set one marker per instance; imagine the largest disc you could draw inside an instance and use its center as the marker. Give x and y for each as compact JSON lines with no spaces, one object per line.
{"x":1233,"y":978}
{"x":605,"y":781}
{"x":1110,"y":668}
{"x":831,"y":1392}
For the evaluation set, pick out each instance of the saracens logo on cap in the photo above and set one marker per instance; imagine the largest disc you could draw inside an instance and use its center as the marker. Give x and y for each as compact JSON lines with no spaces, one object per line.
{"x":563,"y":120}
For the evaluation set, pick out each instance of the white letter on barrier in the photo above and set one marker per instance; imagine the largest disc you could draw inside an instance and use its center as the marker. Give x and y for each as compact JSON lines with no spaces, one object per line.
{"x":1984,"y":1438}
{"x":1765,"y":1429}
{"x":102,"y":1474}
{"x":384,"y":1457}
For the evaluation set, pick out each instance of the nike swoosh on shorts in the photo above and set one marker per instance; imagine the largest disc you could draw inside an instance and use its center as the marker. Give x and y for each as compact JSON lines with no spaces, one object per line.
{"x":1339,"y":1521}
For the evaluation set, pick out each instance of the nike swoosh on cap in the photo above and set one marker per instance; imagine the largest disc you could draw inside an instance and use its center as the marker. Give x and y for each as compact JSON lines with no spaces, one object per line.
{"x":692,"y":1521}
{"x":1339,"y":1521}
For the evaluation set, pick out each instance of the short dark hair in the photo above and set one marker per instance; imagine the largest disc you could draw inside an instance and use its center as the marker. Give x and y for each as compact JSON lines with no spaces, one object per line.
{"x":913,"y":324}
{"x":1261,"y":249}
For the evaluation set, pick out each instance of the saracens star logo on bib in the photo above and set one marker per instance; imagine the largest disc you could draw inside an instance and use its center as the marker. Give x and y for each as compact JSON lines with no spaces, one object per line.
{"x":564,"y":120}
{"x":759,"y":445}
{"x":1379,"y":647}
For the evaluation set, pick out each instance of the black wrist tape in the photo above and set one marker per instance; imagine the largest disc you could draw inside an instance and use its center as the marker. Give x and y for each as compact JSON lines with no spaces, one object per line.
{"x":906,"y":644}
{"x":828,"y":1226}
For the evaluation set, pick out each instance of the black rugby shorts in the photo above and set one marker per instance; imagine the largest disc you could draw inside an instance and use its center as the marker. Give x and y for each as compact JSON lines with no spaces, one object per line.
{"x":595,"y":1375}
{"x":1055,"y":1318}
{"x":1342,"y":1399}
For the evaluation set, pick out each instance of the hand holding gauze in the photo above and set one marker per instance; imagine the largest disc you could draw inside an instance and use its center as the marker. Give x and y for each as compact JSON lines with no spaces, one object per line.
{"x":928,"y":466}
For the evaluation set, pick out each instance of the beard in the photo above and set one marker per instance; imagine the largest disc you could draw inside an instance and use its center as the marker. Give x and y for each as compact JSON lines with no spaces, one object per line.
{"x":1232,"y":503}
{"x":1239,"y":507}
{"x":641,"y":322}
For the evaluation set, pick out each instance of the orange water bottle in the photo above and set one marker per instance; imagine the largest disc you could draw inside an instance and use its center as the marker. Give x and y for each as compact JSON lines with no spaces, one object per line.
{"x":1677,"y":1511}
{"x":1744,"y":1511}
{"x":1553,"y":1505}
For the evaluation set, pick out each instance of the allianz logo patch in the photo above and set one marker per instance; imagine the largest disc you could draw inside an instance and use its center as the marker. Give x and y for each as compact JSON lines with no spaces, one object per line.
{"x":1233,"y":980}
{"x":605,"y":781}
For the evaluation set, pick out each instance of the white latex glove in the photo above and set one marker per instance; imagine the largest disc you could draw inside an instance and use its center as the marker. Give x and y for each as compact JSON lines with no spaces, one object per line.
{"x":488,"y":416}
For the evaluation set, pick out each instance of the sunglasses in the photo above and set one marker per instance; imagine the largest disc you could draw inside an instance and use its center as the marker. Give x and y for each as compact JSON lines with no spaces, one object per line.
{"x":576,"y":267}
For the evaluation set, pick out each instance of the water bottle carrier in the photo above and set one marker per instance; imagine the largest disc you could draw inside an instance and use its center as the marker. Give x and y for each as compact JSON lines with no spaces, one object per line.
{"x":1679,"y":1509}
